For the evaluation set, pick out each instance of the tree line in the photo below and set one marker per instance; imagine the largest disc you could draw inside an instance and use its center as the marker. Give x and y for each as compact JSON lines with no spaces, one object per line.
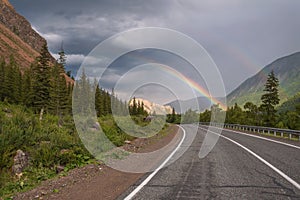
{"x":265,"y":114}
{"x":44,"y":88}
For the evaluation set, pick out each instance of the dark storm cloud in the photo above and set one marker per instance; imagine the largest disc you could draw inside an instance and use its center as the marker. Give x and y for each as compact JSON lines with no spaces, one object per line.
{"x":241,"y":36}
{"x":83,"y":24}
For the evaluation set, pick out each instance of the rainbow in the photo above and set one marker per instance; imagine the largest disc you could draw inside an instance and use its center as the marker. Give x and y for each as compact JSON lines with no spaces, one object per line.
{"x":184,"y":79}
{"x":192,"y":84}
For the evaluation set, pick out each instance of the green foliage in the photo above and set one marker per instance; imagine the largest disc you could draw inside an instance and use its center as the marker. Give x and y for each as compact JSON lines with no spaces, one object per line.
{"x":290,"y":119}
{"x":270,"y":99}
{"x":46,"y":143}
{"x":290,"y":104}
{"x":205,"y":116}
{"x":41,"y":81}
{"x":137,"y":108}
{"x":112,"y":131}
{"x":10,"y":82}
{"x":252,"y":114}
{"x":174,"y":118}
{"x":190,"y":116}
{"x":53,"y":140}
{"x":58,"y":93}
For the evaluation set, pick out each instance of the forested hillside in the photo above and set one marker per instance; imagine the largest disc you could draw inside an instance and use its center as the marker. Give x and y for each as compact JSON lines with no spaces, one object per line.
{"x":287,"y":69}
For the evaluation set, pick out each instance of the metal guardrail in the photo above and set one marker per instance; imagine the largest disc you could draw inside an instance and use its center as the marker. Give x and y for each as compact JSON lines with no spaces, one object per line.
{"x":258,"y":129}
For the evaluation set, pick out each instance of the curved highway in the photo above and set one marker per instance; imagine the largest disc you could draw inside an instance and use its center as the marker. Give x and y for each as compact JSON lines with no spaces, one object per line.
{"x":239,"y":167}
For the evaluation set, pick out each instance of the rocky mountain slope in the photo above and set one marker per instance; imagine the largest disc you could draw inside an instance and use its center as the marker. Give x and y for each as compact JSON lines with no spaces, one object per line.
{"x":17,"y":37}
{"x":287,"y":70}
{"x":152,"y":107}
{"x":197,"y":104}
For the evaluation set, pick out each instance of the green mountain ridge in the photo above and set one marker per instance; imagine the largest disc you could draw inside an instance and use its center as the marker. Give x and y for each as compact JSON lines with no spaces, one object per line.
{"x":290,"y":105}
{"x":287,"y":70}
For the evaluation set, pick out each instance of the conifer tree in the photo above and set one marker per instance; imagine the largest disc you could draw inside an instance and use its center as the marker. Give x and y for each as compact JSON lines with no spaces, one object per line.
{"x":133,"y":107}
{"x":2,"y":79}
{"x":58,"y":91}
{"x":11,"y":86}
{"x":41,"y":81}
{"x":82,"y":95}
{"x":27,"y":90}
{"x":98,"y":102}
{"x":173,"y":115}
{"x":270,"y":99}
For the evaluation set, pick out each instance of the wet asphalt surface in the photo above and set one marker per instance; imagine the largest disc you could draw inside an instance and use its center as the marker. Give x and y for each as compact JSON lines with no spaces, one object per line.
{"x":227,"y":172}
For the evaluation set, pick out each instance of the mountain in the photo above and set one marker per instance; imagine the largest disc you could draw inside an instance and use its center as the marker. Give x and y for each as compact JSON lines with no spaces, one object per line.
{"x":286,"y":69}
{"x":17,"y":37}
{"x":152,"y":107}
{"x":290,"y":104}
{"x":198,"y":104}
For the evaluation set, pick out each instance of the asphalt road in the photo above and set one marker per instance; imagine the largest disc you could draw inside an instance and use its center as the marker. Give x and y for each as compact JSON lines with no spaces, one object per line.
{"x":228,"y":172}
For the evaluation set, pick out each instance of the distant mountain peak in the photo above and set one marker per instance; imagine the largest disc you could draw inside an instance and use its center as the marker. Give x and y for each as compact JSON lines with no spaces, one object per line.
{"x":152,"y":107}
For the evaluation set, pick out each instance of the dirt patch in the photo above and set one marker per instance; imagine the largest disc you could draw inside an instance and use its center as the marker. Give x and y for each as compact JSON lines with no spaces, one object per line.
{"x":97,"y":181}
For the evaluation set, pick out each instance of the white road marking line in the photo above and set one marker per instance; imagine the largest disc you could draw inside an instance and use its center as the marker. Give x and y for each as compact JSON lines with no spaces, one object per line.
{"x":294,"y":183}
{"x":136,"y":190}
{"x":263,"y":138}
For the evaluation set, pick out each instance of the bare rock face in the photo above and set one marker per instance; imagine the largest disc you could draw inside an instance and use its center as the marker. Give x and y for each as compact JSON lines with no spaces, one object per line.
{"x":20,"y":26}
{"x":18,"y":38}
{"x":20,"y":162}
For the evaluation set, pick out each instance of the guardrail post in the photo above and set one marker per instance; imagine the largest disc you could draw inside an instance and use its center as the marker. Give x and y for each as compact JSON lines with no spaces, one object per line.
{"x":262,"y":130}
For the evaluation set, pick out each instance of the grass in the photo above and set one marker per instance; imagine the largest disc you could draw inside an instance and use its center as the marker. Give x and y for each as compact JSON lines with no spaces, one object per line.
{"x":46,"y":144}
{"x":49,"y":145}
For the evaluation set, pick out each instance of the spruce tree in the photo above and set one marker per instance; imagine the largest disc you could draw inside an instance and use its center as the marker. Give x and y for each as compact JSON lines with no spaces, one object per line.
{"x":82,"y":95}
{"x":270,"y":99}
{"x":2,"y":79}
{"x":134,"y":107}
{"x":11,"y":88}
{"x":27,"y":90}
{"x":173,"y":115}
{"x":98,"y":102}
{"x":58,"y":91}
{"x":41,"y":81}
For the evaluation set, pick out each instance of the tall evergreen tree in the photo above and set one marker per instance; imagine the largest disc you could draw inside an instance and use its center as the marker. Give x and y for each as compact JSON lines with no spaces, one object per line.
{"x":62,"y":57}
{"x":2,"y":79}
{"x":10,"y":82}
{"x":41,"y":81}
{"x":98,"y":102}
{"x":27,"y":89}
{"x":133,"y":107}
{"x":58,"y":101}
{"x":270,"y":99}
{"x":173,"y":115}
{"x":82,"y":95}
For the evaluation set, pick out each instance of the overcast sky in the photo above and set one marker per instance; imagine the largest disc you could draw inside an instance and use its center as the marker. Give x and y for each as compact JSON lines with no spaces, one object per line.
{"x":240,"y":36}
